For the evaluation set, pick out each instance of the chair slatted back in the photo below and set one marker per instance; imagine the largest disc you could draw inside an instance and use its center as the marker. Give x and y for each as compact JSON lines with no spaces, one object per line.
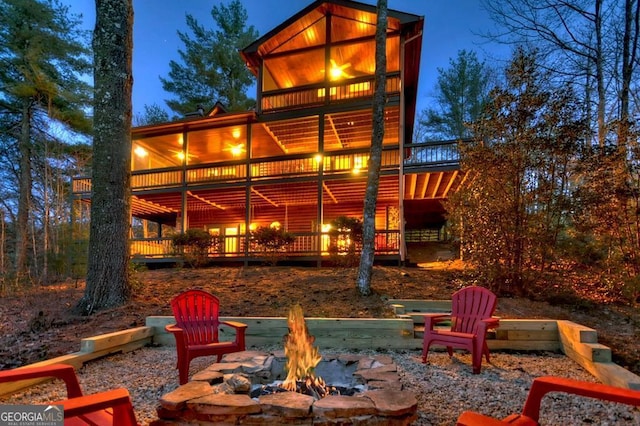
{"x":469,"y":305}
{"x":196,"y":312}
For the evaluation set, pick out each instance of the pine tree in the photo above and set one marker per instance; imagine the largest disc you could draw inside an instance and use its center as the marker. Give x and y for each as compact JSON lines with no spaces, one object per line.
{"x":211,"y":68}
{"x":108,"y":263}
{"x":43,"y":57}
{"x":460,"y":95}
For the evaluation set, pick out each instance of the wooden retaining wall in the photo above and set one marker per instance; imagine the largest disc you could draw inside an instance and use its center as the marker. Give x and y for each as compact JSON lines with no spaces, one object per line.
{"x":578,"y":342}
{"x":90,"y":348}
{"x":347,"y":333}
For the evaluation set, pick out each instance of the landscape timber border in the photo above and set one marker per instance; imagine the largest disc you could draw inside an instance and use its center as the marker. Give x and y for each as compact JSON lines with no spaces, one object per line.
{"x":576,"y":341}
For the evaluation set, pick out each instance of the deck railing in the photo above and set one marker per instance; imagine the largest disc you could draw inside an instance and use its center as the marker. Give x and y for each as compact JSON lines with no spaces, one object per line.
{"x":306,"y":244}
{"x":432,"y":154}
{"x":307,"y":96}
{"x":418,"y":157}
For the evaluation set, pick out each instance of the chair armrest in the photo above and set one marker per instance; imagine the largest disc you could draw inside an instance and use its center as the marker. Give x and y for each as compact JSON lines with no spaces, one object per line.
{"x":543,"y":385}
{"x":118,"y":399}
{"x":178,"y":334}
{"x":493,"y":322}
{"x":63,"y":372}
{"x":173,"y":328}
{"x":471,"y":418}
{"x":234,"y":324}
{"x":432,"y":319}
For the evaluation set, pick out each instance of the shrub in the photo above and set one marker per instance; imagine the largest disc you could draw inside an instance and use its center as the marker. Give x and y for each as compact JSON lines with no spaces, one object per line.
{"x":345,"y":240}
{"x":194,"y":245}
{"x":273,"y":242}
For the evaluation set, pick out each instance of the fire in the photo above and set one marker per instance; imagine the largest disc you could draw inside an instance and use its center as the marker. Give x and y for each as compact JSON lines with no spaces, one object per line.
{"x":302,"y":357}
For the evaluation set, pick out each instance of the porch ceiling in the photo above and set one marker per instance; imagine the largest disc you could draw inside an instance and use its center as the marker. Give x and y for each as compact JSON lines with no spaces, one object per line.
{"x":423,"y":186}
{"x":434,"y":185}
{"x":276,"y":195}
{"x":341,"y":131}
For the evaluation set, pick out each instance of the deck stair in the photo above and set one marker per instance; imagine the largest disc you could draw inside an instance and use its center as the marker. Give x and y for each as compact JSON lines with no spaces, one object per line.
{"x":415,"y":309}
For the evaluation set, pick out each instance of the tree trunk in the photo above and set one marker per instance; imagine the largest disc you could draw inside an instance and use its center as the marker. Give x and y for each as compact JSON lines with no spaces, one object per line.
{"x":629,"y":49}
{"x":24,"y":197}
{"x":375,"y":156}
{"x":107,"y":272}
{"x":601,"y":89}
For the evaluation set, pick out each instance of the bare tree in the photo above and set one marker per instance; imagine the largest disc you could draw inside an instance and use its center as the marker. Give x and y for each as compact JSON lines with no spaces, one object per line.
{"x":107,"y":276}
{"x":569,"y":34}
{"x":375,"y":154}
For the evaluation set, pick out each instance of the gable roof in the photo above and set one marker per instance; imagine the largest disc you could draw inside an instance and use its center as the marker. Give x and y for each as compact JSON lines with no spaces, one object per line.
{"x":350,"y":20}
{"x":301,"y":21}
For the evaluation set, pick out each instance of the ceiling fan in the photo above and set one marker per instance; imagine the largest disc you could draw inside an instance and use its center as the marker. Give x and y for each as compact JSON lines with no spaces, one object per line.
{"x":337,"y":72}
{"x":235,"y":149}
{"x":180,"y":154}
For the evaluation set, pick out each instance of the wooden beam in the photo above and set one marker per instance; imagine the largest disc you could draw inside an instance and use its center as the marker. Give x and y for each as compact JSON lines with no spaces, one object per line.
{"x":275,"y":138}
{"x":464,"y":179}
{"x":425,"y":184}
{"x":326,"y":188}
{"x":204,"y":200}
{"x":437,"y":185}
{"x":335,"y":131}
{"x":264,"y":197}
{"x":411,"y":187}
{"x":446,"y":190}
{"x":155,"y":207}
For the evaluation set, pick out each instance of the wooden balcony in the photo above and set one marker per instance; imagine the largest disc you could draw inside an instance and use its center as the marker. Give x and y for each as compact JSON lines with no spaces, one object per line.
{"x":318,"y":95}
{"x":419,"y":158}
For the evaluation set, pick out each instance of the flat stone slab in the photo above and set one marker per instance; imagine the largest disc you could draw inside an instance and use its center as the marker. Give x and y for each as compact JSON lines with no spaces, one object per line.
{"x":224,"y":404}
{"x":392,"y":403}
{"x":286,"y":404}
{"x":210,"y":376}
{"x":177,"y":399}
{"x":337,"y":406}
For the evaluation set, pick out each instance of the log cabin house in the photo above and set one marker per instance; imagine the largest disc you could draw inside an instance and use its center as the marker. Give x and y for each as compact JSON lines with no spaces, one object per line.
{"x":299,"y":160}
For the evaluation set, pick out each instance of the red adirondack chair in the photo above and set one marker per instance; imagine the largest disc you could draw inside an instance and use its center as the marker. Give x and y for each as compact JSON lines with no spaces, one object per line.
{"x":110,"y":408}
{"x":471,"y":316}
{"x":197,"y":328}
{"x":542,"y":386}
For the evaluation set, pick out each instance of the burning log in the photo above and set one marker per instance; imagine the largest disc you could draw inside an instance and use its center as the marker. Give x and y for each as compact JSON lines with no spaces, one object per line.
{"x":302,"y":357}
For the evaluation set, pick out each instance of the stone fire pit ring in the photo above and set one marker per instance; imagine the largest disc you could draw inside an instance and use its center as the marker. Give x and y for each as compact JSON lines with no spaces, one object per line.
{"x":220,"y":394}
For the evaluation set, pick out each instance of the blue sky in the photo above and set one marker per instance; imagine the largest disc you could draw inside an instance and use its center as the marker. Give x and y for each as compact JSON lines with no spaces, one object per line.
{"x":450,"y":26}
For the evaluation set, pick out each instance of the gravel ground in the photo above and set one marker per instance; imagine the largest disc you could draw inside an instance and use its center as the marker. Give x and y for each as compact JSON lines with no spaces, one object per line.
{"x":444,"y":388}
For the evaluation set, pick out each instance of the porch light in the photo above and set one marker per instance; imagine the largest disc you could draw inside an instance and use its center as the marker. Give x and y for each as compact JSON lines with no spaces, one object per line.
{"x":318,"y":158}
{"x":335,"y":73}
{"x":237,"y":150}
{"x":275,"y":225}
{"x":180,"y":155}
{"x":140,"y":151}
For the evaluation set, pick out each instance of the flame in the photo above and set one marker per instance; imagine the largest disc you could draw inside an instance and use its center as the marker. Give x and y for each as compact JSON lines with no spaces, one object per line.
{"x":302,"y":356}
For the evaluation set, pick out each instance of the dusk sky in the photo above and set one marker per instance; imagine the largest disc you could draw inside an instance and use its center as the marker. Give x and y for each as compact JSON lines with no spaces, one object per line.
{"x":450,"y":26}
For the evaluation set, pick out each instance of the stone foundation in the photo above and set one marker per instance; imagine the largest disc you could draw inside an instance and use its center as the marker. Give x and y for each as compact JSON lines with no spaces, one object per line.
{"x":219,"y":395}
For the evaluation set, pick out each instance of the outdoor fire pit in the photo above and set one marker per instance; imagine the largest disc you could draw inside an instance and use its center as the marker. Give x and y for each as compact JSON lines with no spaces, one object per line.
{"x":221,"y":394}
{"x":294,"y":387}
